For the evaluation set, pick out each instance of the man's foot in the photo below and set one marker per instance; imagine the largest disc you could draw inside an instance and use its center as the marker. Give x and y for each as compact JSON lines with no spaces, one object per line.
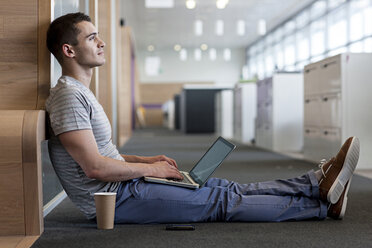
{"x":337,"y":211}
{"x":338,"y":171}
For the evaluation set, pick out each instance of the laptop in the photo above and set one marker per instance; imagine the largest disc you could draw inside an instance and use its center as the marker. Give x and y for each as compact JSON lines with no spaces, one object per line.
{"x":196,"y":178}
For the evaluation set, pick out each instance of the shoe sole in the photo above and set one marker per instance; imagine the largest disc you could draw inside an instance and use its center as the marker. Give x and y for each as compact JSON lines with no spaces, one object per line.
{"x":344,"y":203}
{"x":346,"y":172}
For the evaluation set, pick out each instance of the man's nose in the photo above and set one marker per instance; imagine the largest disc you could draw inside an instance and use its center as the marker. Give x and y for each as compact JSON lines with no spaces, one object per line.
{"x":101,"y":43}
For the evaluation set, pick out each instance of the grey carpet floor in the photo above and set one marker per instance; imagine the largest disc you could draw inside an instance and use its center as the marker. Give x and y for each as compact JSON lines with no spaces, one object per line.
{"x":65,"y":226}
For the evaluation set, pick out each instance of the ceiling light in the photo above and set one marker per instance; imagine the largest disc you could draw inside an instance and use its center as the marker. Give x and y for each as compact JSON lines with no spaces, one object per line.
{"x":159,"y":4}
{"x":204,"y":47}
{"x":219,"y":27}
{"x":221,"y":4}
{"x":227,"y":54}
{"x":177,"y":48}
{"x":198,"y":27}
{"x":240,"y":27}
{"x":150,"y":48}
{"x":261,"y":27}
{"x":183,"y":54}
{"x":212,"y":54}
{"x":197,"y":54}
{"x":190,"y":4}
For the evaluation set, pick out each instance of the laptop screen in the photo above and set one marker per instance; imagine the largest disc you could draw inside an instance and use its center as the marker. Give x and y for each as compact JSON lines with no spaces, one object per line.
{"x":211,"y":160}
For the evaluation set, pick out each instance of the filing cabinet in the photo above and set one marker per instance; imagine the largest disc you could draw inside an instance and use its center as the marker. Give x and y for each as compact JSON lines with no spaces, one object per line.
{"x":279,"y":124}
{"x":337,"y":99}
{"x":245,"y":102}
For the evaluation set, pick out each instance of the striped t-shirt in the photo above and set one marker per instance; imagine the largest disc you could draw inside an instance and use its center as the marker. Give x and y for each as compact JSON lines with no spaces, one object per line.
{"x":72,"y":106}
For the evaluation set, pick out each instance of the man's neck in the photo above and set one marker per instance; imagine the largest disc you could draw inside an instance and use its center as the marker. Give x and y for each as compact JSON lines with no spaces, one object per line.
{"x":83,"y":76}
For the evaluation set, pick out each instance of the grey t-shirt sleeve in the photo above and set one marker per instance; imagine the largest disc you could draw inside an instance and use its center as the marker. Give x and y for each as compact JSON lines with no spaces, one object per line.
{"x":71,"y":111}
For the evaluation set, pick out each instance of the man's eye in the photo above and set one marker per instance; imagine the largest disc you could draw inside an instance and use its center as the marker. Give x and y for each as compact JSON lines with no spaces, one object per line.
{"x":91,"y":38}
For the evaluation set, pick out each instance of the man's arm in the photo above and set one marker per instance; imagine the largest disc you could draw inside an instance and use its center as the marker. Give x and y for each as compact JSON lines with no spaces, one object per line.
{"x":149,"y":160}
{"x":82,"y":147}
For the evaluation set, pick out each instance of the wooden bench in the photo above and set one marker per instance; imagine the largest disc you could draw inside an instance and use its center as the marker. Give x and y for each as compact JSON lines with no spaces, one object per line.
{"x":21,"y":203}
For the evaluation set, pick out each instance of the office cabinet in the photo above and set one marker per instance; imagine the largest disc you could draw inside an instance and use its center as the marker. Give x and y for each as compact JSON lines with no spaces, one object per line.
{"x":245,"y":101}
{"x":224,"y":113}
{"x":197,"y":108}
{"x":337,"y":100}
{"x":279,"y":124}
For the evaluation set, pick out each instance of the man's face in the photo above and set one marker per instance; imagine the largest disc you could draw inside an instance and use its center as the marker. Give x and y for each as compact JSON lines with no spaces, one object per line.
{"x":89,"y":51}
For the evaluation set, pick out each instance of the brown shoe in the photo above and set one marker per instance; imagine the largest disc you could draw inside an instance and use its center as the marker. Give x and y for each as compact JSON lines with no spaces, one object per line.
{"x":338,"y":171}
{"x":337,"y":211}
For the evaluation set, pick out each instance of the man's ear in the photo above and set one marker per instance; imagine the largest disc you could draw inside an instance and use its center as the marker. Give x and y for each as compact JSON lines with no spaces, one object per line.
{"x":68,"y":50}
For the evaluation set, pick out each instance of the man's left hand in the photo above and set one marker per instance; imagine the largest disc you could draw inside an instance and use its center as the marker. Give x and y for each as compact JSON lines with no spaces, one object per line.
{"x":158,"y":158}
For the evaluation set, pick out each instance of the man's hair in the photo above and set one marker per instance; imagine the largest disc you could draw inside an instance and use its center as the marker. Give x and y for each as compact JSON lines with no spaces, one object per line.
{"x":63,"y":30}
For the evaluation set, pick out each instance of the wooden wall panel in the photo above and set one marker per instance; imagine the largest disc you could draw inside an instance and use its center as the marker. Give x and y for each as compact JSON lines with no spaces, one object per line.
{"x":43,"y":71}
{"x":21,"y":133}
{"x":104,"y":72}
{"x":124,"y":88}
{"x":93,"y":14}
{"x":159,"y":93}
{"x":24,"y":60}
{"x":32,"y":136}
{"x":11,"y":174}
{"x":18,"y":49}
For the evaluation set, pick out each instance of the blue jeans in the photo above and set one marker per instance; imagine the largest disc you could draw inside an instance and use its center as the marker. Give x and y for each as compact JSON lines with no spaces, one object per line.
{"x":138,"y":201}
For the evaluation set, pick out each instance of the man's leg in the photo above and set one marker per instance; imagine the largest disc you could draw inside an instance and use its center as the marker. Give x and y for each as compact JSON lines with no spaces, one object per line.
{"x":157,"y":203}
{"x":306,"y":185}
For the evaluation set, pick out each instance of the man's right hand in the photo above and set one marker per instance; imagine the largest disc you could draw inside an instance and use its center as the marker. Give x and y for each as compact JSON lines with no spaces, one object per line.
{"x":163,"y":169}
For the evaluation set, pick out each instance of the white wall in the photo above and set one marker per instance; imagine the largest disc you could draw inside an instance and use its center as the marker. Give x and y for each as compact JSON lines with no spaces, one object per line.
{"x":172,"y":69}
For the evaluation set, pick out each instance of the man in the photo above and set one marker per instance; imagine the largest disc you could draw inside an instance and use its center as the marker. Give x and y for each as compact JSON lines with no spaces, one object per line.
{"x":87,"y":162}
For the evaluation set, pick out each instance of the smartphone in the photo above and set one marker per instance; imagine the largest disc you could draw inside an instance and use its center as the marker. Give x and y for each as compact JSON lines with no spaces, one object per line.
{"x":180,"y":227}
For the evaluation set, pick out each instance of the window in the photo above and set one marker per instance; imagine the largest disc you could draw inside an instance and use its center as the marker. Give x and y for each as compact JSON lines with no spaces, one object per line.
{"x":289,"y":28}
{"x":260,"y":67}
{"x":278,"y":35}
{"x":303,"y":45}
{"x":337,"y":29}
{"x":356,"y":47}
{"x":368,"y":45}
{"x":318,"y":9}
{"x":337,"y":51}
{"x":368,"y":20}
{"x":269,"y":62}
{"x":317,"y":31}
{"x":279,"y":58}
{"x":289,"y":51}
{"x":334,"y":3}
{"x":302,"y":19}
{"x":325,"y":28}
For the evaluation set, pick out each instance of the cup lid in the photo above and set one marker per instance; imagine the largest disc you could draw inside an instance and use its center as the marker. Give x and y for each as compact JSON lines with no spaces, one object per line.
{"x":105,"y":193}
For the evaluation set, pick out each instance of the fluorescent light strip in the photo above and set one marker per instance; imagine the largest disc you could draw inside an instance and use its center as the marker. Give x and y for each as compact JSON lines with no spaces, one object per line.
{"x":227,"y":54}
{"x":240,"y":27}
{"x":161,"y":4}
{"x":197,"y":54}
{"x":219,"y":27}
{"x":261,"y":27}
{"x":198,"y":27}
{"x":183,"y":54}
{"x":212,"y":54}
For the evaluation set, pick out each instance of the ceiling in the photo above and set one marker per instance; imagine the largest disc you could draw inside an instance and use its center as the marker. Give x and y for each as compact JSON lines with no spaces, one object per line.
{"x":163,"y":28}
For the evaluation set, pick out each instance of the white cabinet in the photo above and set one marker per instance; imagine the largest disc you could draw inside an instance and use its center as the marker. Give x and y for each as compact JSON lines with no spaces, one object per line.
{"x":245,"y":100}
{"x":224,"y":113}
{"x":279,"y":124}
{"x":337,"y":101}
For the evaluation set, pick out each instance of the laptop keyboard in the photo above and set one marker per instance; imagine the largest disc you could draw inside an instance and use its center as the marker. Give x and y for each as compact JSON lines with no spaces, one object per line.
{"x":184,"y":180}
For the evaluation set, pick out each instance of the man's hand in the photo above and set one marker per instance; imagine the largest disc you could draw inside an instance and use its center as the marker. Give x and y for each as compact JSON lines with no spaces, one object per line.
{"x":163,"y":169}
{"x":159,"y":158}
